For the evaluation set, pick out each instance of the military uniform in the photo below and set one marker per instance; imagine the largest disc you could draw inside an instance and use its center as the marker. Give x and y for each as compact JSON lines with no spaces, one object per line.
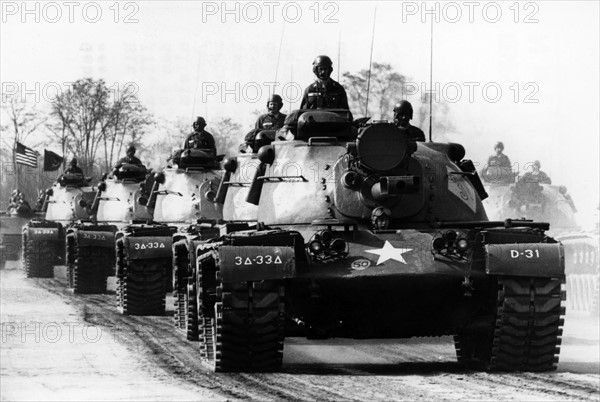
{"x":500,"y":160}
{"x":328,"y":95}
{"x":74,"y":170}
{"x":129,"y":160}
{"x":413,"y":133}
{"x":270,"y":121}
{"x":531,"y":177}
{"x":201,"y":140}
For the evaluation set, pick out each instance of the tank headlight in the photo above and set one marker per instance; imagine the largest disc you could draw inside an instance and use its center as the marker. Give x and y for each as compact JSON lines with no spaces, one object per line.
{"x":462,"y":244}
{"x":82,"y":203}
{"x":315,"y":246}
{"x":450,"y":236}
{"x":142,"y":200}
{"x":159,"y":177}
{"x":438,"y":244}
{"x":49,"y":192}
{"x":102,"y":186}
{"x":338,"y":245}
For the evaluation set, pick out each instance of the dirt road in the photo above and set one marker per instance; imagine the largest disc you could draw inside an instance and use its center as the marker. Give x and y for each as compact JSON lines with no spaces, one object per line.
{"x":58,"y":346}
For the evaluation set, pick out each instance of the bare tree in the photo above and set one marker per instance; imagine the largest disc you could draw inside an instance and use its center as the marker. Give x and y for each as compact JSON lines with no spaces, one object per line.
{"x":228,"y":135}
{"x":385,"y":89}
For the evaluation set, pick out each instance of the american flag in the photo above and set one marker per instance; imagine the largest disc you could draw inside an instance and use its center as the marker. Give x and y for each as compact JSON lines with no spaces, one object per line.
{"x":25,"y":155}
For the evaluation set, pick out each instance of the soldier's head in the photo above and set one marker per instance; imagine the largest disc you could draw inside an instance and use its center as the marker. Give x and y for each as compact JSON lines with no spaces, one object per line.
{"x":131,"y":151}
{"x":499,"y":147}
{"x":274,"y":104}
{"x":536,"y":166}
{"x":403,"y":113}
{"x":74,"y":162}
{"x":199,"y":124}
{"x":322,"y":67}
{"x":380,"y":218}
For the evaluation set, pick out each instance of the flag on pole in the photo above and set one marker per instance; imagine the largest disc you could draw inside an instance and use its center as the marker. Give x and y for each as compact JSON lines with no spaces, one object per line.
{"x":25,"y":155}
{"x":52,"y":161}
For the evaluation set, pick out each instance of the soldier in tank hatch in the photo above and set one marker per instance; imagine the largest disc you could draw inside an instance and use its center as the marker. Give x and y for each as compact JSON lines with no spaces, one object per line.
{"x":403,"y":113}
{"x":536,"y":175}
{"x":130,"y":158}
{"x":273,"y":120}
{"x":499,"y":159}
{"x":200,"y":138}
{"x":324,"y":92}
{"x":73,"y":168}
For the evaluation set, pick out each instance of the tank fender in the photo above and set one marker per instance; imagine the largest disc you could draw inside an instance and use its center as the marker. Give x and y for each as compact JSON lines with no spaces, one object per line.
{"x":93,"y":238}
{"x":256,"y":263}
{"x":148,"y":247}
{"x":525,"y":259}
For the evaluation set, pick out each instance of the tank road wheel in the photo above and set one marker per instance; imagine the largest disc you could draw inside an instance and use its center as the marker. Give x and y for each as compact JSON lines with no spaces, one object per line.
{"x":527,"y":331}
{"x":143,"y":288}
{"x":38,"y":256}
{"x":241,"y":324}
{"x":180,"y":294}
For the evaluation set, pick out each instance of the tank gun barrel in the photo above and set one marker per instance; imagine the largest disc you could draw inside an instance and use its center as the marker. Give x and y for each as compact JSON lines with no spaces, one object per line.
{"x":508,"y":223}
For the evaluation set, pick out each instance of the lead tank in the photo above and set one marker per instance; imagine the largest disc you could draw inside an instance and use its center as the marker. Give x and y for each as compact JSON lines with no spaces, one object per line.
{"x":368,"y":235}
{"x":44,"y":239}
{"x":511,"y":197}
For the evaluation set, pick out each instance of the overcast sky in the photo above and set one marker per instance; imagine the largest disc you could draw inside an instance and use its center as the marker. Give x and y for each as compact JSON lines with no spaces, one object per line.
{"x":203,"y":58}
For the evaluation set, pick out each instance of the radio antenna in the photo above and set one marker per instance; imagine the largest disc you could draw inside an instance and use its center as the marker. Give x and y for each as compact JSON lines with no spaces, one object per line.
{"x":431,"y":84}
{"x":278,"y":56}
{"x":338,"y":58}
{"x":370,"y":63}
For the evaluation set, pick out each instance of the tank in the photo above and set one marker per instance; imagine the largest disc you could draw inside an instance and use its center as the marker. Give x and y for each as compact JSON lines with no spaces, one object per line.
{"x":180,"y":202}
{"x":364,"y":234}
{"x":236,"y":213}
{"x":44,"y":238}
{"x":91,"y":244}
{"x":553,"y":204}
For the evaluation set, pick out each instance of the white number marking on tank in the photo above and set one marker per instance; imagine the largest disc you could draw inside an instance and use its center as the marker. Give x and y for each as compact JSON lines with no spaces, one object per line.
{"x":527,"y":253}
{"x":144,"y":246}
{"x":258,"y":260}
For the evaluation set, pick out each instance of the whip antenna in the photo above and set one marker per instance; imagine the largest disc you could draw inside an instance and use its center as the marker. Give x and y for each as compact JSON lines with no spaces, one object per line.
{"x":431,"y":83}
{"x":370,"y":62}
{"x":338,"y":58}
{"x":196,"y":90}
{"x":278,"y":56}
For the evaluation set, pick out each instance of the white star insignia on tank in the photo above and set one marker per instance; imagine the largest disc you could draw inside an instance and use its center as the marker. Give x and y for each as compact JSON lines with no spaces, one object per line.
{"x":389,"y":252}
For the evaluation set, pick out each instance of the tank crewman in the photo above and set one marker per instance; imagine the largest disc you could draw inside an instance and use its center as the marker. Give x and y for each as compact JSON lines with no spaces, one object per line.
{"x":380,"y":218}
{"x":273,"y":120}
{"x":403,"y":113}
{"x":499,"y":159}
{"x":324,"y":92}
{"x":200,"y":138}
{"x":13,"y":201}
{"x":130,"y":158}
{"x":73,"y":168}
{"x":536,"y":175}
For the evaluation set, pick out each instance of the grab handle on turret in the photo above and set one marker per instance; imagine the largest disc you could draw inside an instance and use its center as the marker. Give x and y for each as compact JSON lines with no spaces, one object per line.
{"x":151,"y":204}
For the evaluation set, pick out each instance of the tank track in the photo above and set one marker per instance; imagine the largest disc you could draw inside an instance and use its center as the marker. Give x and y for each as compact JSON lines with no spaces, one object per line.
{"x":38,"y":257}
{"x":89,"y":274}
{"x":527,"y":330}
{"x":583,"y":291}
{"x":241,"y":324}
{"x":192,"y":314}
{"x":141,"y":285}
{"x":180,"y":263}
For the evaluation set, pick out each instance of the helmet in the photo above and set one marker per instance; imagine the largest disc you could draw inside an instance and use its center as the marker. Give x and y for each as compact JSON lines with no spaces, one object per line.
{"x":403,"y":108}
{"x":275,"y":99}
{"x":538,"y":164}
{"x":500,"y":145}
{"x":377,"y":212}
{"x":199,"y":122}
{"x":322,"y":61}
{"x":131,"y":149}
{"x":74,"y":161}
